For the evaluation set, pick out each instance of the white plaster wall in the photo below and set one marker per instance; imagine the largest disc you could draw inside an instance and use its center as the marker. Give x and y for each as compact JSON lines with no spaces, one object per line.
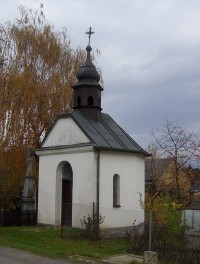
{"x":83,"y":163}
{"x":130,"y":168}
{"x":46,"y":191}
{"x":65,"y":132}
{"x":83,"y":160}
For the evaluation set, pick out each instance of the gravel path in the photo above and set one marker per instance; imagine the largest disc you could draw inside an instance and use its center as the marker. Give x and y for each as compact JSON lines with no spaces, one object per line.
{"x":15,"y":256}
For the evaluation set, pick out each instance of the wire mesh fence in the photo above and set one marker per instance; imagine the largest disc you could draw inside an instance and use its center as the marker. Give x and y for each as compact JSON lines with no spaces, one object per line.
{"x":18,"y":218}
{"x":176,"y":243}
{"x":170,"y":246}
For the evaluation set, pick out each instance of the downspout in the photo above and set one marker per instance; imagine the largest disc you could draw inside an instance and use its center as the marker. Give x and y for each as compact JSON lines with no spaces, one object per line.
{"x":98,"y":176}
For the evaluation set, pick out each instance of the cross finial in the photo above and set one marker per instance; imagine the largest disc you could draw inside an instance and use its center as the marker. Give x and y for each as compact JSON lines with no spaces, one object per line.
{"x":89,"y":33}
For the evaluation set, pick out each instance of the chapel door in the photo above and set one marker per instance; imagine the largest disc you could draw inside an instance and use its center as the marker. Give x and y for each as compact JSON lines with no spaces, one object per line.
{"x":67,"y":184}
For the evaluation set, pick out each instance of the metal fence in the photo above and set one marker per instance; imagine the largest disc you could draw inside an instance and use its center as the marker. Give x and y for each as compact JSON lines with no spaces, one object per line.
{"x":170,"y":246}
{"x":18,"y":218}
{"x":193,"y":240}
{"x":178,"y":255}
{"x":181,"y":246}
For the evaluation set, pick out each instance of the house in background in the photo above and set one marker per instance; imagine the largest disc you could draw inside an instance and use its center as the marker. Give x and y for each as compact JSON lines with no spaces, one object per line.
{"x":87,"y":158}
{"x":160,"y":173}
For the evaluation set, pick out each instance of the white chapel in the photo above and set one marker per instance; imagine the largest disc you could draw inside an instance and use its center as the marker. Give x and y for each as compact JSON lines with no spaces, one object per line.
{"x":87,"y":158}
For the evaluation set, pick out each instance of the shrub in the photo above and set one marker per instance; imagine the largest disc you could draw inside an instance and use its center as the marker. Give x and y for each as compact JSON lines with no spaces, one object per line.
{"x":91,"y":224}
{"x":166,"y":227}
{"x":136,"y":238}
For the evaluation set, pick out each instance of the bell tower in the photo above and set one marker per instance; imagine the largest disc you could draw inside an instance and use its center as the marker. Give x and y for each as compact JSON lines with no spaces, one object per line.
{"x":87,"y":91}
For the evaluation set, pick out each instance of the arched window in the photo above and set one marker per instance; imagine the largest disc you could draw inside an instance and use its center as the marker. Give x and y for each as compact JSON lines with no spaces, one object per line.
{"x":90,"y":100}
{"x":79,"y":101}
{"x":116,"y":190}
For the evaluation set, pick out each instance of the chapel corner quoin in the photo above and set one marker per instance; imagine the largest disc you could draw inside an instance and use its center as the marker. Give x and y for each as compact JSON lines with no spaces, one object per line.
{"x":87,"y":158}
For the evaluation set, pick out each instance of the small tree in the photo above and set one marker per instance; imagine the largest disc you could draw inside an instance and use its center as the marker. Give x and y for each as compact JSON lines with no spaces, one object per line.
{"x":91,"y":224}
{"x":166,"y":220}
{"x":173,"y":142}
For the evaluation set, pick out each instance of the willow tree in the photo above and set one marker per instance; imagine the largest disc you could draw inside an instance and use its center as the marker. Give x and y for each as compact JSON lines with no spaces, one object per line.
{"x":37,"y":70}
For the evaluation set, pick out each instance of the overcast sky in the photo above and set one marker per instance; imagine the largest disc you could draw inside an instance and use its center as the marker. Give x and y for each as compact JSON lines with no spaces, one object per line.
{"x":150,"y":56}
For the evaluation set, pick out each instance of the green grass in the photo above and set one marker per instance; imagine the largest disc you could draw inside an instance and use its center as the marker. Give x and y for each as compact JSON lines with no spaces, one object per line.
{"x":47,"y":242}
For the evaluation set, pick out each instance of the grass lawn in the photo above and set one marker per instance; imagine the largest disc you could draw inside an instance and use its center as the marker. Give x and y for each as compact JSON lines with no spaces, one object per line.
{"x":47,"y":242}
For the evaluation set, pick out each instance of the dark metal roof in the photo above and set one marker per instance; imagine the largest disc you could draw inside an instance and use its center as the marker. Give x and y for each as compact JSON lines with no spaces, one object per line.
{"x":105,"y":134}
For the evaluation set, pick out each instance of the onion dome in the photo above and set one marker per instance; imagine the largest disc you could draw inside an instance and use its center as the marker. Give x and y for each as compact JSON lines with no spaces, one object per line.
{"x":88,"y":72}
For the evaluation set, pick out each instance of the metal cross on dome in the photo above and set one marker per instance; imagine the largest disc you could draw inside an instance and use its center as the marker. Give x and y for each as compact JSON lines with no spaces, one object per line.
{"x":89,"y":33}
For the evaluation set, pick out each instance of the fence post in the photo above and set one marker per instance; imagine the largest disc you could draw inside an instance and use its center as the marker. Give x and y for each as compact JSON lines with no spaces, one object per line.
{"x":93,"y":216}
{"x":150,"y":229}
{"x":2,"y":216}
{"x":184,"y":221}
